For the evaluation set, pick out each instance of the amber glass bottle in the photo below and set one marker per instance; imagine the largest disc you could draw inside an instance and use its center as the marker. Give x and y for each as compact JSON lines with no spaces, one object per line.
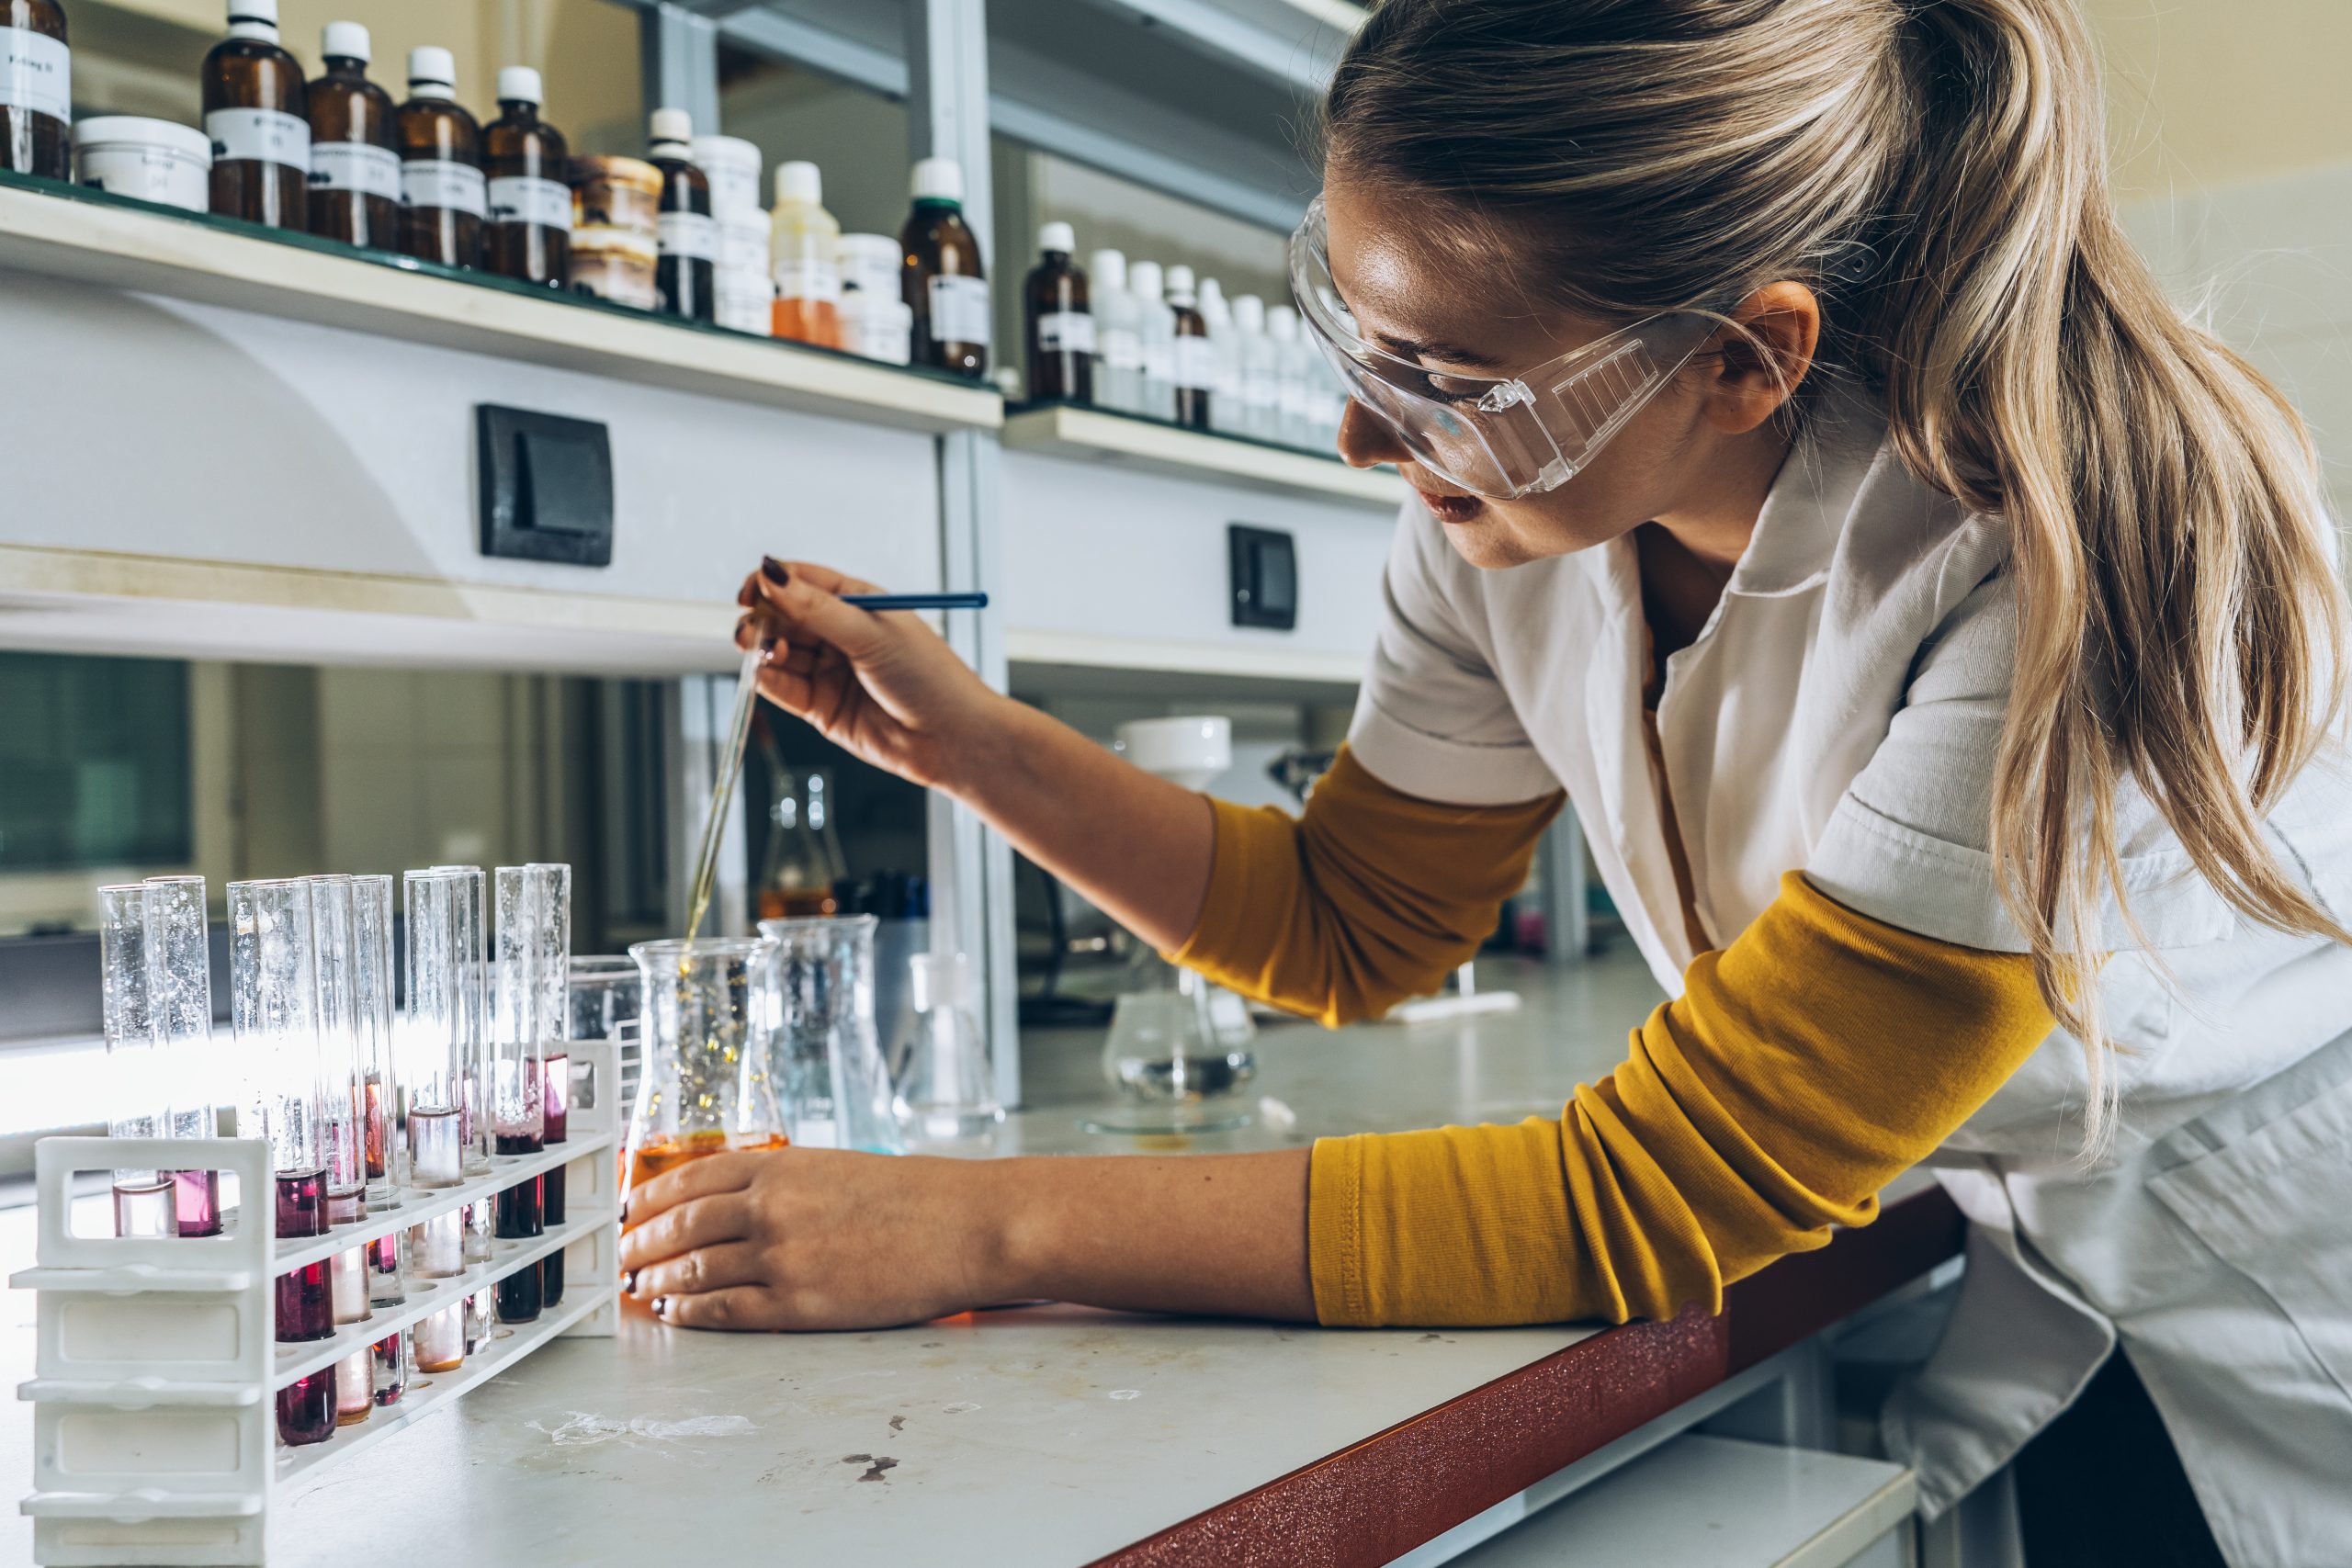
{"x":355,"y":160}
{"x":258,"y":116}
{"x":686,"y":276}
{"x":443,"y":194}
{"x":1061,"y":327}
{"x":944,"y":284}
{"x":1194,"y":360}
{"x":530,"y":200}
{"x":35,"y":90}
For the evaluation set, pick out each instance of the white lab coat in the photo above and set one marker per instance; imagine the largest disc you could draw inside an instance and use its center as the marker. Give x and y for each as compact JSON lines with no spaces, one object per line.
{"x":1837,"y":715}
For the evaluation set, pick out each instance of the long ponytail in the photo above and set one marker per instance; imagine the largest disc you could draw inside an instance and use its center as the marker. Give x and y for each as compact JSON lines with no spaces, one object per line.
{"x":2179,"y":620}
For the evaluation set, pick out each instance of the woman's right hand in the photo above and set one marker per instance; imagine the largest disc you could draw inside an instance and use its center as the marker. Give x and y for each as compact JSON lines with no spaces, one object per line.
{"x":882,"y":686}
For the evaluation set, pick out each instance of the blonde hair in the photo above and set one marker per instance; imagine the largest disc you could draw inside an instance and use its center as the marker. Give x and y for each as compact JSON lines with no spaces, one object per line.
{"x":2179,"y":620}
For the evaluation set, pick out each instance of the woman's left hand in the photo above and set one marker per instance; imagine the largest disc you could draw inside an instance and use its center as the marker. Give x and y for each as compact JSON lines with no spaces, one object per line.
{"x":808,"y":1239}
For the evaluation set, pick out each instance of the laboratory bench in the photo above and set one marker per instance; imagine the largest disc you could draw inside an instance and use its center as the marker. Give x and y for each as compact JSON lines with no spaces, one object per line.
{"x":1055,"y":1435}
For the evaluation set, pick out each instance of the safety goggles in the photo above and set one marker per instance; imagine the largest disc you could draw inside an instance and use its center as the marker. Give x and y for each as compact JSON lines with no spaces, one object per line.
{"x":1499,"y":437}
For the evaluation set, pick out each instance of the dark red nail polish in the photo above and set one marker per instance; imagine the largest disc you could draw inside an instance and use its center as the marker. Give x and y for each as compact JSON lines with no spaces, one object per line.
{"x":628,"y":1282}
{"x":772,"y":569}
{"x":660,"y":1306}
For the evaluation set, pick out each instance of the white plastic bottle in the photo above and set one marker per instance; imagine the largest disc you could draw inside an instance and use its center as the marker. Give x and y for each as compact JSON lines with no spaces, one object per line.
{"x":1292,"y":418}
{"x":1118,"y":346}
{"x":1156,"y":329}
{"x":1261,"y":358}
{"x":1224,"y":384}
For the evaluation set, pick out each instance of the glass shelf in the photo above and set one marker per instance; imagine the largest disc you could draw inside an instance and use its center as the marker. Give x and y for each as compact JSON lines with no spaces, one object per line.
{"x":1098,"y":435}
{"x":91,"y":236}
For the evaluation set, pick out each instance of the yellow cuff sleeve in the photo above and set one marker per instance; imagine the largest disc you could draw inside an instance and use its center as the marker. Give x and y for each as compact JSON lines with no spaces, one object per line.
{"x":1804,"y":1067}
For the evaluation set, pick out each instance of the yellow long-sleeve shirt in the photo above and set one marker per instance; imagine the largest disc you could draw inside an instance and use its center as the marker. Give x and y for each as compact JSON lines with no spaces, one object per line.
{"x":1803,"y":1068}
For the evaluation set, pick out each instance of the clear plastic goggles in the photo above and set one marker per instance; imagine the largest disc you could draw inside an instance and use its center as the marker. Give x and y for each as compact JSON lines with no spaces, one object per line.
{"x":1497,"y":437}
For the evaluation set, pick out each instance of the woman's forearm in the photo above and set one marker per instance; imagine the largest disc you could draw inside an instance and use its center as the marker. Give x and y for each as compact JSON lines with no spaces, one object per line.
{"x":1221,"y":1235}
{"x":1136,"y":846}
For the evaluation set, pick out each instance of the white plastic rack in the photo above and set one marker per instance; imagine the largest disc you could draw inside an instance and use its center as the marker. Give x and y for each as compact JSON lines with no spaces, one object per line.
{"x":155,"y":1435}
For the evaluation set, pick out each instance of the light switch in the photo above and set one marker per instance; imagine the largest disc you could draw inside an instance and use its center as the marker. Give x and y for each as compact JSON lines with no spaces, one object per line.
{"x":547,"y":486}
{"x":1265,"y":577}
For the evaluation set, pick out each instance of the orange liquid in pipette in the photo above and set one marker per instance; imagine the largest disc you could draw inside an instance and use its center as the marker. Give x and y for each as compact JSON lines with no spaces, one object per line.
{"x":669,"y":1154}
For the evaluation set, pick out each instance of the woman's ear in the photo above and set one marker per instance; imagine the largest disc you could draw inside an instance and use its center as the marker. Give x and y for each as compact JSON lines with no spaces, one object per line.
{"x":1764,"y":354}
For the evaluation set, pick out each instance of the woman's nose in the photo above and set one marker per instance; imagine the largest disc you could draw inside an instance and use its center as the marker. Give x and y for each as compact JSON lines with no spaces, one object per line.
{"x":1366,"y":441}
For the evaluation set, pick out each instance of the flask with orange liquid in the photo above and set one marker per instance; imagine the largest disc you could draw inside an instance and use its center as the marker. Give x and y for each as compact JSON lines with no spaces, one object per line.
{"x":710,"y":1007}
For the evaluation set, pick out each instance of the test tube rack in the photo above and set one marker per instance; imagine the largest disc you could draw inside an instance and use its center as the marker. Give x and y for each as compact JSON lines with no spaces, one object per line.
{"x":154,"y":1434}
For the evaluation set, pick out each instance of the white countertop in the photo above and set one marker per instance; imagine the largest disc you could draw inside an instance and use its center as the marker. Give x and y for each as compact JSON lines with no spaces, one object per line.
{"x":1037,"y":1436}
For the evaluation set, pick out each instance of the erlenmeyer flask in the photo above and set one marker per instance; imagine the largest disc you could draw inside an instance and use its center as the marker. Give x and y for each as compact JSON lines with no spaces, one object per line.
{"x":704,"y":1087}
{"x":1169,"y":1058}
{"x":946,"y":1091}
{"x":826,"y":1054}
{"x":797,"y":872}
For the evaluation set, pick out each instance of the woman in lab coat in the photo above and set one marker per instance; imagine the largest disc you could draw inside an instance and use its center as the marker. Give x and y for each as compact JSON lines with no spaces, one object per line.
{"x":1933,"y":633}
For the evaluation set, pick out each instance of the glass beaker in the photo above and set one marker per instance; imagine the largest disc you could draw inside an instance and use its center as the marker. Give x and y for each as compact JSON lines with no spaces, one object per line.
{"x":946,"y":1091}
{"x":827,"y":1056}
{"x":1165,"y":1056}
{"x":710,"y":1006}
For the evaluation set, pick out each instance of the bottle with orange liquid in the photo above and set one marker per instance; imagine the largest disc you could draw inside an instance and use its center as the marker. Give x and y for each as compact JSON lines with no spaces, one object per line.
{"x":804,"y":242}
{"x":708,"y":1085}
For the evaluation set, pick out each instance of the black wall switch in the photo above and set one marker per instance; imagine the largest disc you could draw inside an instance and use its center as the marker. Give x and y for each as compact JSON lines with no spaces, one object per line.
{"x":1265,"y":577}
{"x":547,"y":486}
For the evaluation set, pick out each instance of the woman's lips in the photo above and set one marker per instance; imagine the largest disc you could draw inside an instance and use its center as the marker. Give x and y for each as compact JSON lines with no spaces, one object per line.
{"x":1452,"y":508}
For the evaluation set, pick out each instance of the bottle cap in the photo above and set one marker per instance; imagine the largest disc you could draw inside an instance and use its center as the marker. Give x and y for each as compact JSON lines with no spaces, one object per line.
{"x":430,"y":65}
{"x":800,"y":180}
{"x":1212,"y":292}
{"x":344,"y":40}
{"x":1179,"y":284}
{"x":1057,"y":237}
{"x":1109,"y":269}
{"x":938,"y":179}
{"x":1145,"y":281}
{"x":1250,"y":313}
{"x":939,"y":980}
{"x":518,"y":84}
{"x":264,"y":11}
{"x":675,"y":127}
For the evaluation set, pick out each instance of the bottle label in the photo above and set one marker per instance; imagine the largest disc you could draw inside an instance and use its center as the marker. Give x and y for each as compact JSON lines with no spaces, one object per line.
{"x":1192,"y":364}
{"x":689,"y":236}
{"x":959,"y":311}
{"x":1121,"y":349}
{"x":1066,"y":332}
{"x":444,"y":182}
{"x":816,"y":280}
{"x":264,"y":136}
{"x":356,"y":166}
{"x":1261,"y":392}
{"x":36,"y":73}
{"x":1159,"y":359}
{"x":529,"y":199}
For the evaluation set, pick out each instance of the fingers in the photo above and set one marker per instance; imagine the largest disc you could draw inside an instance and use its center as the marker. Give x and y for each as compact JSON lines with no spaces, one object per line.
{"x":737,"y":1307}
{"x":699,"y":1222}
{"x":696,"y":1178}
{"x":704,"y":1269}
{"x":778,"y":574}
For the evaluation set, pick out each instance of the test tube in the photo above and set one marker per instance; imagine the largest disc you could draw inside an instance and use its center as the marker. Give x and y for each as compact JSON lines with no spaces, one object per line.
{"x":383,"y":1145}
{"x":554,"y":1019}
{"x":372,"y":978}
{"x":473,"y":975}
{"x":179,"y":979}
{"x":432,"y":1070}
{"x":518,"y":1095}
{"x":555,"y":1069}
{"x":335,"y":917}
{"x":142,"y":1197}
{"x":273,"y":1010}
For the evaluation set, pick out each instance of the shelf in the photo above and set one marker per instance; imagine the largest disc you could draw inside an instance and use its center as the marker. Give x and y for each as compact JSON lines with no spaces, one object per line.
{"x":431,"y":1392}
{"x":88,"y":236}
{"x":419,"y":1204}
{"x":427,"y":1297}
{"x":1064,"y":430}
